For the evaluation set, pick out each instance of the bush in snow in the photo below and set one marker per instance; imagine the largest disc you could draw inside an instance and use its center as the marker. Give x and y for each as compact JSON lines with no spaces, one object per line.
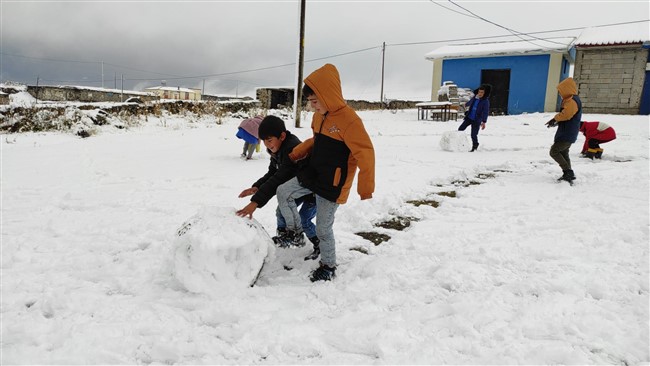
{"x":455,"y":141}
{"x":215,"y":249}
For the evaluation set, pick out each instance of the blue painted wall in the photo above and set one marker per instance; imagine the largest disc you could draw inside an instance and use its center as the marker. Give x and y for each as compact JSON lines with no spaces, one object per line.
{"x":528,"y":75}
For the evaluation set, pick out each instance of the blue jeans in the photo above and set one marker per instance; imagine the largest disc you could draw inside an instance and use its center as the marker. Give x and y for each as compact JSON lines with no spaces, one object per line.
{"x":476,"y":126}
{"x":307,"y":213}
{"x":287,"y":194}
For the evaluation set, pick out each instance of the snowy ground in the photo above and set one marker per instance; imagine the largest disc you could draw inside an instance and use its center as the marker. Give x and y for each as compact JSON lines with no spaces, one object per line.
{"x":516,"y":269}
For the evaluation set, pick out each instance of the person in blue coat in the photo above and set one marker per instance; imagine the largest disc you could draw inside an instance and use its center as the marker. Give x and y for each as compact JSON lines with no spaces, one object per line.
{"x":478,"y":109}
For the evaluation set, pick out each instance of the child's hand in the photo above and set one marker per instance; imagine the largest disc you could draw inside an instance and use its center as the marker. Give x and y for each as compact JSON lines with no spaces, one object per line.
{"x":482,"y":125}
{"x":247,"y":211}
{"x":248,"y":192}
{"x":551,"y":123}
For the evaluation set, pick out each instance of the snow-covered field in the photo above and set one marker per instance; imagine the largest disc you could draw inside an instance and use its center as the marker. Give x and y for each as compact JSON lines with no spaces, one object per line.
{"x":518,"y":269}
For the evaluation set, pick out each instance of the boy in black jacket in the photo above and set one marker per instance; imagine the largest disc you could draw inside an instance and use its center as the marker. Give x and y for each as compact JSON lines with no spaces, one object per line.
{"x":279,"y":143}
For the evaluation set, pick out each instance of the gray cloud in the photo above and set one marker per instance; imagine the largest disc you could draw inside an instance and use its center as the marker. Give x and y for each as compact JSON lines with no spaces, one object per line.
{"x":148,"y":41}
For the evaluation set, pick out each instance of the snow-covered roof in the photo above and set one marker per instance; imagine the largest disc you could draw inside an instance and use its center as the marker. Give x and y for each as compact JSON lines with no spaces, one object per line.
{"x":174,"y":88}
{"x":509,"y":48}
{"x":616,"y":34}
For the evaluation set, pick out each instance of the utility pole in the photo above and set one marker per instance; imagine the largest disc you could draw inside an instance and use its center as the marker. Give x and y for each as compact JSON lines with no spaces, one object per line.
{"x":122,"y":92}
{"x":297,"y":95}
{"x":102,"y":74}
{"x":383,"y":55}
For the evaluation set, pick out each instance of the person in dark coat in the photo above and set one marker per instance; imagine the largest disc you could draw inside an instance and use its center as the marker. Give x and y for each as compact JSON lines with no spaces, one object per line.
{"x":568,"y":124}
{"x":478,"y":109}
{"x":279,"y":143}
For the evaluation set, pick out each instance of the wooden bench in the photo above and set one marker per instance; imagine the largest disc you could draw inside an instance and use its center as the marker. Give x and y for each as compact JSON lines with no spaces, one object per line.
{"x":439,"y":111}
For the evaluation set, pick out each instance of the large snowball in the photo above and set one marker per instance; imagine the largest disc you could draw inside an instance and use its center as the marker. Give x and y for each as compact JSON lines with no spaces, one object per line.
{"x":455,"y":141}
{"x":216,"y":249}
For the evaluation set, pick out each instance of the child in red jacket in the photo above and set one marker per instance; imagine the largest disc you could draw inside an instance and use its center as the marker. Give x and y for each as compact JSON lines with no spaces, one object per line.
{"x":596,"y":133}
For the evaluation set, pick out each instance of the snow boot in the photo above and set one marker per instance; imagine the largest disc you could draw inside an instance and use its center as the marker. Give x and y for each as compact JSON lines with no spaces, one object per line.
{"x":591,"y":153}
{"x":280,"y":233}
{"x":323,"y":273}
{"x":568,"y":176}
{"x":599,"y":153}
{"x":291,"y":239}
{"x":316,"y":253}
{"x":474,"y":147}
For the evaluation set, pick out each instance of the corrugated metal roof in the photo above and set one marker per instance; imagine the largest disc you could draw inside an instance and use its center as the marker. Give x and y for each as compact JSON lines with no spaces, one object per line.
{"x":616,"y":34}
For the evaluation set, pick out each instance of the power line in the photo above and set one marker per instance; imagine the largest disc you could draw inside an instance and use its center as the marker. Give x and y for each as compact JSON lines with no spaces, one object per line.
{"x":452,"y":10}
{"x":267,"y":68}
{"x":50,"y":59}
{"x":510,"y":35}
{"x":515,"y":33}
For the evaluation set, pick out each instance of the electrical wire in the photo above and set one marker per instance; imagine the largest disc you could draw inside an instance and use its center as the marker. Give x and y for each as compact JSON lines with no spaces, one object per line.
{"x":514,"y":32}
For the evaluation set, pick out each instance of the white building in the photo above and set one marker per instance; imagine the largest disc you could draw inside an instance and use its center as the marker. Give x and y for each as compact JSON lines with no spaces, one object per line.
{"x":170,"y":92}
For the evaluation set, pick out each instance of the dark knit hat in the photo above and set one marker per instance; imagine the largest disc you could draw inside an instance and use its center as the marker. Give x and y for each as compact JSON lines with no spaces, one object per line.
{"x":271,"y":126}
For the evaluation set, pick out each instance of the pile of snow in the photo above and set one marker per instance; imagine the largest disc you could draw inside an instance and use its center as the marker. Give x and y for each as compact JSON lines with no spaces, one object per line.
{"x":464,"y":95}
{"x":21,"y":99}
{"x":455,"y":141}
{"x":216,"y":249}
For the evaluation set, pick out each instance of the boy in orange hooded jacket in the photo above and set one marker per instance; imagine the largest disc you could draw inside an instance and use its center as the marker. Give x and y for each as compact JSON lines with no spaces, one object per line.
{"x":339,"y":146}
{"x":568,"y":124}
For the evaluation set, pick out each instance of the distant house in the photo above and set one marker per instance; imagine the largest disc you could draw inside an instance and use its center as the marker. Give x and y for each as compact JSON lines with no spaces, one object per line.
{"x":523,"y":74}
{"x":612,"y":69}
{"x":272,"y":98}
{"x":171,"y":92}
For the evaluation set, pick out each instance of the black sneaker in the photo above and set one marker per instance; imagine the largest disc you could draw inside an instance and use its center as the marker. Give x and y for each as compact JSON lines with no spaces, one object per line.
{"x":568,"y":175}
{"x":323,"y":273}
{"x":316,"y":253}
{"x":280,"y":233}
{"x":291,"y":239}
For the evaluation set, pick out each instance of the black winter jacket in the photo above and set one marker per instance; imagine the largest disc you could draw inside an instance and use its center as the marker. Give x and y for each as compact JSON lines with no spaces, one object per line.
{"x":281,"y":169}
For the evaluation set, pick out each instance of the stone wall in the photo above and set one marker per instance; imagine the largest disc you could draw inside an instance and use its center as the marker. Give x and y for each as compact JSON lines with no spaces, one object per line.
{"x":267,"y":97}
{"x":77,"y":94}
{"x":362,"y":105}
{"x":610,"y":79}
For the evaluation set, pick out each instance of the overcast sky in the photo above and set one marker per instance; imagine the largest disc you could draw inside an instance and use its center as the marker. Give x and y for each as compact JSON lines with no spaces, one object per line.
{"x":213,"y":45}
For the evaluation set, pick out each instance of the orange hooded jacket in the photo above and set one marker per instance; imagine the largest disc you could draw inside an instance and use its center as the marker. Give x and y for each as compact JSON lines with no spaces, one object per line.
{"x":340,"y":144}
